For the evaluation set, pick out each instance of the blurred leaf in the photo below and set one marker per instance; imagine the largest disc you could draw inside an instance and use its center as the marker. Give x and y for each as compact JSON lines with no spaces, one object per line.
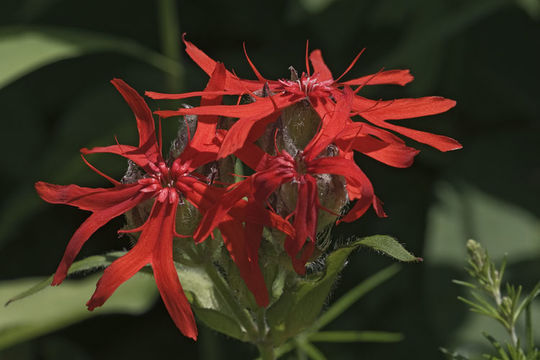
{"x":54,"y":308}
{"x":464,"y":212}
{"x":388,"y":246}
{"x":532,"y":7}
{"x":355,"y":336}
{"x":25,"y":49}
{"x":316,"y":6}
{"x":88,"y":264}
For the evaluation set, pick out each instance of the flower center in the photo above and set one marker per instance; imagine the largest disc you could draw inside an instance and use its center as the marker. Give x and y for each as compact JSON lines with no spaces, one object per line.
{"x":307,"y":85}
{"x":162,"y":181}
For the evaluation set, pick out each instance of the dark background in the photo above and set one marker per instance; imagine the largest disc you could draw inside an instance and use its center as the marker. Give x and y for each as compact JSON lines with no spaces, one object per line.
{"x":482,"y":53}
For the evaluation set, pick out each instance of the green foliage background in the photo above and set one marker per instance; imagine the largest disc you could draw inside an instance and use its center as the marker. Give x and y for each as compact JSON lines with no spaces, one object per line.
{"x":57,"y":56}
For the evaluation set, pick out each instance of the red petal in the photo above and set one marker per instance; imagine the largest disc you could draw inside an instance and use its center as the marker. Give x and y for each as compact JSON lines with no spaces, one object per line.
{"x":246,"y":127}
{"x":129,"y":152}
{"x":143,"y":115}
{"x":165,"y":272}
{"x":91,"y":199}
{"x":319,"y":66}
{"x":245,"y":254}
{"x":390,"y":153}
{"x":214,"y":215}
{"x":252,"y":155}
{"x":117,"y":273}
{"x":262,"y":107}
{"x":390,"y":77}
{"x":305,"y":217}
{"x":154,"y":246}
{"x":410,"y":108}
{"x":332,"y":126}
{"x":397,"y":155}
{"x":105,"y":205}
{"x":207,"y":64}
{"x":206,"y":125}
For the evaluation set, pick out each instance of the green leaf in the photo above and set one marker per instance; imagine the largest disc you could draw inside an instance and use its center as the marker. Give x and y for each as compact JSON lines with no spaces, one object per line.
{"x":25,"y":49}
{"x":452,"y":355}
{"x":54,"y":308}
{"x":533,"y":294}
{"x":497,"y":346}
{"x":532,"y":7}
{"x":389,"y":246}
{"x":299,"y":306}
{"x":355,"y":336}
{"x":207,"y":303}
{"x":88,"y":264}
{"x":353,"y":295}
{"x":220,"y":322}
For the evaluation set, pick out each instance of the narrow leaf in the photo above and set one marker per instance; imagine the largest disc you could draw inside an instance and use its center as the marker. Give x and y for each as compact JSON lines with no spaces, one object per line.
{"x":353,"y":295}
{"x":355,"y":336}
{"x":311,"y":350}
{"x":54,"y":308}
{"x":89,"y":264}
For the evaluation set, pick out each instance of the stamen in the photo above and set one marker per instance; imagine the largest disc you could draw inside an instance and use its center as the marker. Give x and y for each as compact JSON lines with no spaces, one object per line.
{"x":151,"y":188}
{"x":163,"y":194}
{"x":351,"y":65}
{"x":173,"y":196}
{"x":163,"y":169}
{"x":154,"y":168}
{"x":175,"y":168}
{"x":147,"y":181}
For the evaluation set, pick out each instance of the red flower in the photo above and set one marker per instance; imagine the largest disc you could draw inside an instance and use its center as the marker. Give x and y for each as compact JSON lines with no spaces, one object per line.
{"x":320,"y":89}
{"x":155,"y":243}
{"x":300,"y":169}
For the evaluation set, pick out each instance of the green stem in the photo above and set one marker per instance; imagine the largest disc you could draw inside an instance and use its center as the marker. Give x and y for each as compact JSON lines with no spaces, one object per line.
{"x":266,"y":351}
{"x":241,"y":314}
{"x":170,"y":37}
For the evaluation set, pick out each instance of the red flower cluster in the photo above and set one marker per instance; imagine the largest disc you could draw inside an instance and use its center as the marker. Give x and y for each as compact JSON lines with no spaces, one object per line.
{"x":241,"y":210}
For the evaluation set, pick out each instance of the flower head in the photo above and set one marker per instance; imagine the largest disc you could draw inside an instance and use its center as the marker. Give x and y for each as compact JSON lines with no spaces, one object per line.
{"x":301,"y":169}
{"x":155,"y":243}
{"x":321,"y":90}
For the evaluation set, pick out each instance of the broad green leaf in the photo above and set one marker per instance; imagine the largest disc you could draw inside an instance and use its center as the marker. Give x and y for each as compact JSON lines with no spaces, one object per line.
{"x":90,"y":263}
{"x":25,"y":49}
{"x":220,"y":322}
{"x":57,"y":307}
{"x":207,"y":303}
{"x":388,"y":246}
{"x":299,"y":306}
{"x":196,"y":282}
{"x":355,"y":336}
